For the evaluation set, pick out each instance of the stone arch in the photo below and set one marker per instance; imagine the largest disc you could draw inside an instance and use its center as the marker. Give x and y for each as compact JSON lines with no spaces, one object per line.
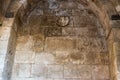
{"x":106,"y":22}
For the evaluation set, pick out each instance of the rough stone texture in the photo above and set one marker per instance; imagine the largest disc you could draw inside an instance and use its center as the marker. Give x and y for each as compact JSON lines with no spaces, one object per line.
{"x":53,"y":47}
{"x":60,"y":42}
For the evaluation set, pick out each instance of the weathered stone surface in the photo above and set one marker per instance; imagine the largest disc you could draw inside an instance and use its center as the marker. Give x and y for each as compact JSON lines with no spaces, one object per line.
{"x":77,"y":57}
{"x":5,"y":33}
{"x":44,"y":58}
{"x":54,"y":71}
{"x":100,"y":72}
{"x":91,"y":44}
{"x":48,"y":21}
{"x":70,"y":71}
{"x":63,"y":21}
{"x":53,"y":4}
{"x":38,"y":70}
{"x":53,"y":31}
{"x":21,"y":70}
{"x":65,"y":52}
{"x":84,"y":72}
{"x":24,"y":57}
{"x":38,"y":43}
{"x":25,"y":43}
{"x":2,"y":61}
{"x":59,"y":44}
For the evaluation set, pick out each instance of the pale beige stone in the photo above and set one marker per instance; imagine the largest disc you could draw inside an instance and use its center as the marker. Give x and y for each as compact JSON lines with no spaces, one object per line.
{"x":44,"y":58}
{"x":5,"y":33}
{"x":38,"y":70}
{"x":2,"y":61}
{"x":100,"y":72}
{"x":59,"y":44}
{"x":3,"y":45}
{"x":84,"y":72}
{"x":54,"y":71}
{"x":21,"y":70}
{"x":118,"y":8}
{"x":24,"y":57}
{"x":25,"y":43}
{"x":70,"y":71}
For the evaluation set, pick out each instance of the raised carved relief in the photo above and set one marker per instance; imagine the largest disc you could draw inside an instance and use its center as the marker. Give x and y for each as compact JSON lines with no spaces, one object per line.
{"x":63,"y":21}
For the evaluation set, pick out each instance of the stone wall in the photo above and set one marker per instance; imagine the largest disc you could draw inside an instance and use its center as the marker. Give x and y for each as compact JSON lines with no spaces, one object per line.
{"x":50,"y":37}
{"x":61,"y":42}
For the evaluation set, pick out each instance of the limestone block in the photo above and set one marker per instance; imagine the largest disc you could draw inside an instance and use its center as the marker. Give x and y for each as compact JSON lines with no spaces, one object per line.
{"x":116,"y":33}
{"x":25,"y":43}
{"x":15,"y":70}
{"x":21,"y":70}
{"x":68,"y":5}
{"x":61,"y":57}
{"x":35,"y":29}
{"x":38,"y":43}
{"x":63,"y":12}
{"x":54,"y":71}
{"x":2,"y":61}
{"x":3,"y":46}
{"x":77,"y":57}
{"x":24,"y":70}
{"x":38,"y":70}
{"x":71,"y":31}
{"x":91,"y":44}
{"x":77,"y":12}
{"x":70,"y":71}
{"x":100,"y":72}
{"x":8,"y":22}
{"x":91,"y":58}
{"x":44,"y":58}
{"x":5,"y":33}
{"x":104,"y":58}
{"x":24,"y":57}
{"x":59,"y":44}
{"x":53,"y":31}
{"x":84,"y":72}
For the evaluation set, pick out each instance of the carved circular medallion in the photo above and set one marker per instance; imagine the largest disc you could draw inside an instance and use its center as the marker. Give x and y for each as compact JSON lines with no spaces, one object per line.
{"x":63,"y":21}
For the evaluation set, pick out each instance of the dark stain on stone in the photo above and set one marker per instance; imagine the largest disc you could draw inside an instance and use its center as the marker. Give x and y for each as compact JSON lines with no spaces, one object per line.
{"x":53,"y":31}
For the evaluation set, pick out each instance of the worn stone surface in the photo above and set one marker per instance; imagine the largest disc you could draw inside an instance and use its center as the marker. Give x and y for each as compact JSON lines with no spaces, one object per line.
{"x":21,"y":58}
{"x":53,"y":47}
{"x":61,"y":42}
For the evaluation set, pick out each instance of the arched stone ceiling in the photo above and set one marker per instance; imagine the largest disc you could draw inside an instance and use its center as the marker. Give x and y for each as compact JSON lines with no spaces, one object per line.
{"x":103,"y":9}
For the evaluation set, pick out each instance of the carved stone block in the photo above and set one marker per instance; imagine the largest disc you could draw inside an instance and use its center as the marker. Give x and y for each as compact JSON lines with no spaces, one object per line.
{"x":53,"y":31}
{"x":54,"y":71}
{"x":63,"y":21}
{"x":70,"y":71}
{"x":59,"y":44}
{"x":48,"y":21}
{"x":84,"y":72}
